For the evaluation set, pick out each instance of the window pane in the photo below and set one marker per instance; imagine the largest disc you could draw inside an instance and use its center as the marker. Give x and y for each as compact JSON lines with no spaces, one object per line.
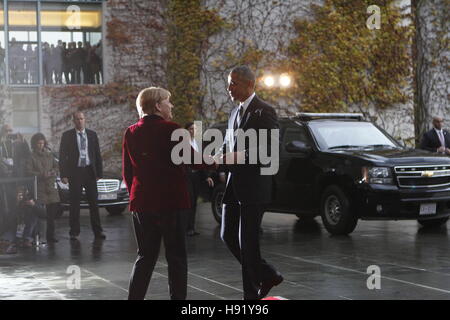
{"x":22,"y":37}
{"x":22,"y":14}
{"x":25,"y":110}
{"x":71,"y":37}
{"x":2,"y":47}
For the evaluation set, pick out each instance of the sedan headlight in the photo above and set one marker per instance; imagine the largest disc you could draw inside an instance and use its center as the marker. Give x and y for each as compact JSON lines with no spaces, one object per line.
{"x":123,"y":185}
{"x":377,"y":175}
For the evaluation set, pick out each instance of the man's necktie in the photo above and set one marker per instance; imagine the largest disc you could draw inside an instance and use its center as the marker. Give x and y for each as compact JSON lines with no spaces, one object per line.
{"x":238,"y":117}
{"x":83,"y":150}
{"x":441,"y":137}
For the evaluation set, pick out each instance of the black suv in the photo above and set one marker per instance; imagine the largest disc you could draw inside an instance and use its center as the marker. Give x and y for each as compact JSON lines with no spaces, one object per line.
{"x":343,"y":168}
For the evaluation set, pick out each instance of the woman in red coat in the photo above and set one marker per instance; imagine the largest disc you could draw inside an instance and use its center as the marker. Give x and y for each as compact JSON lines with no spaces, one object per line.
{"x":159,"y":194}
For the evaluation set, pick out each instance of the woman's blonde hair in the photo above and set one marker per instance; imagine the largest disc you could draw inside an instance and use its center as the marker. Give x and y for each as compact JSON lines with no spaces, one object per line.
{"x":148,"y":98}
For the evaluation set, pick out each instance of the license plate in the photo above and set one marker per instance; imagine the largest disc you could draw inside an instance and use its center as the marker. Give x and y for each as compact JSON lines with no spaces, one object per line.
{"x":427,"y":208}
{"x":107,"y":196}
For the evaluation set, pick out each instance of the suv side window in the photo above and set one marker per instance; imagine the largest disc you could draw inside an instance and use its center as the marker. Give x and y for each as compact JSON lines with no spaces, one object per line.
{"x":295,"y":134}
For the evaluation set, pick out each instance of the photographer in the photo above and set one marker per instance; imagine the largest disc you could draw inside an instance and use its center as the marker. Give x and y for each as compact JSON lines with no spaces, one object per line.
{"x":14,"y":151}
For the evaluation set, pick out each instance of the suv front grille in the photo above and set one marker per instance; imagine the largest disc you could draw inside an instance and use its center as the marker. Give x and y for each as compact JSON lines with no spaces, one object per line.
{"x":108,"y":185}
{"x":423,"y":176}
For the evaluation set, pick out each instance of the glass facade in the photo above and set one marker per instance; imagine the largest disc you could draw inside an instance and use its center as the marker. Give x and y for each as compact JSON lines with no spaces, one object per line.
{"x":51,"y":42}
{"x":45,"y":42}
{"x":2,"y":45}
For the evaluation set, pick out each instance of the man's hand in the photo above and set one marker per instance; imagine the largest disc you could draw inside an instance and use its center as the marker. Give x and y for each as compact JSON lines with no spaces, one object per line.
{"x":65,"y":180}
{"x":210,"y":182}
{"x":30,"y":202}
{"x":441,"y":149}
{"x":447,"y":151}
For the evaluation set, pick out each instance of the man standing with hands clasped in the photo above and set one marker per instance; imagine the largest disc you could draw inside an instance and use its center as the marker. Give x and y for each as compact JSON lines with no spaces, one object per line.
{"x":80,"y":165}
{"x":437,"y":139}
{"x":247,"y":190}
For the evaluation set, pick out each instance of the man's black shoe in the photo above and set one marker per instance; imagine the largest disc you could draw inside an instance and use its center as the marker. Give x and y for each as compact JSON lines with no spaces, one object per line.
{"x":73,"y":238}
{"x":100,"y":236}
{"x":266,"y":286}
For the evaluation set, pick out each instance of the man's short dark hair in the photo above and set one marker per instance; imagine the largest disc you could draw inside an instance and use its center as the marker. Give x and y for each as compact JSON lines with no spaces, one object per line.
{"x":244,"y":73}
{"x":188,"y":125}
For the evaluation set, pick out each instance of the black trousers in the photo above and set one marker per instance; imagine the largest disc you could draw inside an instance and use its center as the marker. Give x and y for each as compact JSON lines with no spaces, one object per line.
{"x":84,"y":177}
{"x":149,"y":230}
{"x":194,"y":185}
{"x":52,"y":209}
{"x":240,"y":232}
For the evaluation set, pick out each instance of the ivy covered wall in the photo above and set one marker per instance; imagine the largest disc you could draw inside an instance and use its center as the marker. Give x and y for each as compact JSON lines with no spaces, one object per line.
{"x":189,"y":46}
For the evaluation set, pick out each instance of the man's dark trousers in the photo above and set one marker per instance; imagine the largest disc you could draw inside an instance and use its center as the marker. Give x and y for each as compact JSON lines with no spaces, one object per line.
{"x":150,"y":228}
{"x":84,"y":177}
{"x":240,"y":231}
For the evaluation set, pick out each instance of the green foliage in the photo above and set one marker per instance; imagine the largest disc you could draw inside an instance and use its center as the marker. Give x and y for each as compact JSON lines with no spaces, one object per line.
{"x":337,"y":61}
{"x":190,"y":26}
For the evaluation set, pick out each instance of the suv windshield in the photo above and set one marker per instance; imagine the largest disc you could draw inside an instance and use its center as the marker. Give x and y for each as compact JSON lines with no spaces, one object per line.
{"x":341,"y":134}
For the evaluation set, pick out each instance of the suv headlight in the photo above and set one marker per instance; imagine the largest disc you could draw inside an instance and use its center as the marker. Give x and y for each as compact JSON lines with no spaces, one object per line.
{"x":377,"y":175}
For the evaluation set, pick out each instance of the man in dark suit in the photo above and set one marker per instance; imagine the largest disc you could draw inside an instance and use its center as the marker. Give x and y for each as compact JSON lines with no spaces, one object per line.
{"x":80,"y":165}
{"x":437,"y":139}
{"x":247,"y":190}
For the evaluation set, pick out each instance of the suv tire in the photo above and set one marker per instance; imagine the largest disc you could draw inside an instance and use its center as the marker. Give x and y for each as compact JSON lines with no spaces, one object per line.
{"x":216,"y":202}
{"x":336,"y":212}
{"x":433,"y":223}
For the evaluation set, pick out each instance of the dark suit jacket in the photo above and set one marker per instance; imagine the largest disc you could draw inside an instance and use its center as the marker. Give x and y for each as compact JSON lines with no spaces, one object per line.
{"x":154,"y":182}
{"x":245,"y":182}
{"x":430,"y":140}
{"x":69,"y":154}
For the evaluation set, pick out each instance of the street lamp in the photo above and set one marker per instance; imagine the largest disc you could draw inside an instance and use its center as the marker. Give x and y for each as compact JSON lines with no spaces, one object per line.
{"x":285,"y":80}
{"x":269,"y":81}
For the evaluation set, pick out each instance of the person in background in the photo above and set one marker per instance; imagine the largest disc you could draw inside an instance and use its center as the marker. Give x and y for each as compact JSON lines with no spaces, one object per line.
{"x":42,"y":164}
{"x":437,"y":139}
{"x":196,"y":180}
{"x":2,"y":64}
{"x":14,"y":153}
{"x":81,"y":165}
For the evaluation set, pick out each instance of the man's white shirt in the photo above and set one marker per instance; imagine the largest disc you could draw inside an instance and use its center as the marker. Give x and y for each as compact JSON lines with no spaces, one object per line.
{"x":84,"y":152}
{"x":440,"y":134}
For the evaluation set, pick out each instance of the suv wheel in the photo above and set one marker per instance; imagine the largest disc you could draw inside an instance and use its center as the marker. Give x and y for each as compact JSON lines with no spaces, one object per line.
{"x":216,"y":202}
{"x":335,"y":209}
{"x":433,"y":223}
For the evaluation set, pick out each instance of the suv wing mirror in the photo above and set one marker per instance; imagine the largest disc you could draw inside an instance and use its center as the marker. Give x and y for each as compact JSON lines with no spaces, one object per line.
{"x":297,"y":147}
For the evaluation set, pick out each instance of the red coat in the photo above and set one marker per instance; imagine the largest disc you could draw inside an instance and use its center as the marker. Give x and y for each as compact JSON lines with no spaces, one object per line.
{"x":155,"y":184}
